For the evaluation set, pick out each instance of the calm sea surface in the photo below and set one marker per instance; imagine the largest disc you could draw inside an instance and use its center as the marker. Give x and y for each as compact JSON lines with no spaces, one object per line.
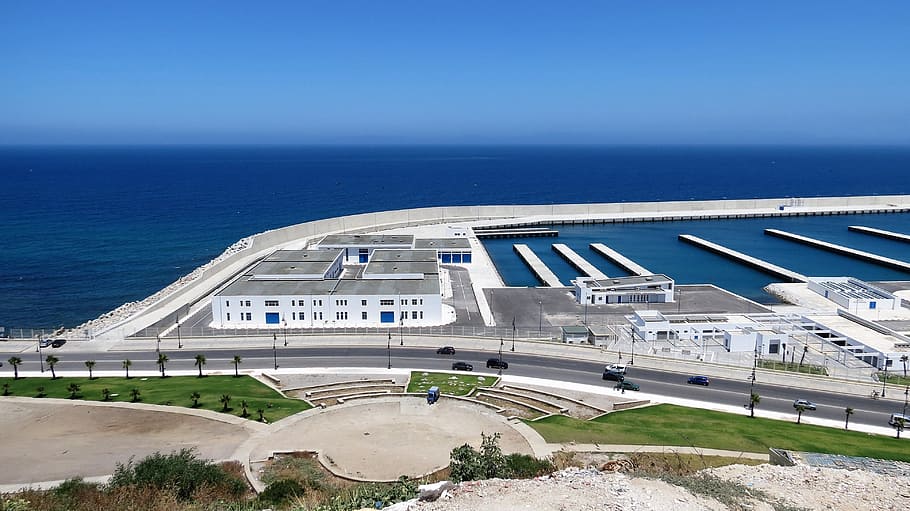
{"x":84,"y":229}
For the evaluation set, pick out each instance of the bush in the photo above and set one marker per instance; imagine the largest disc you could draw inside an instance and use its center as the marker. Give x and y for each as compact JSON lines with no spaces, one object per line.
{"x":467,"y":464}
{"x":524,"y":466}
{"x":281,"y":491}
{"x":179,"y":471}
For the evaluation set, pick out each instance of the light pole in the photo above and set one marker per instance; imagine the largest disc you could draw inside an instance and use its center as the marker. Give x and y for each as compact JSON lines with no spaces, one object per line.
{"x":400,"y":334}
{"x":158,"y":345}
{"x":906,"y":394}
{"x":179,"y":341}
{"x":500,"y":357}
{"x":885,"y":379}
{"x":275,"y":349}
{"x":40,"y":359}
{"x":389,"y":349}
{"x":632,"y":352}
{"x":539,"y":317}
{"x":285,"y":322}
{"x":513,"y":337}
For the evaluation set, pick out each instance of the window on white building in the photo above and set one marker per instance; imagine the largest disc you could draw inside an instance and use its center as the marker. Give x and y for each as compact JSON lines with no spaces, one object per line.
{"x":249,"y":316}
{"x":228,"y":316}
{"x":413,"y":301}
{"x":227,"y":303}
{"x":363,"y":303}
{"x":386,"y":302}
{"x":413,"y":314}
{"x":363,"y":315}
{"x":271,"y":303}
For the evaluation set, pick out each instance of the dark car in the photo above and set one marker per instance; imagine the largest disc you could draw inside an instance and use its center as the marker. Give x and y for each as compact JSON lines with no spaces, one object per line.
{"x":626,"y":385}
{"x":613,"y":375}
{"x":45,"y":343}
{"x":699,"y":380}
{"x":462,"y":366}
{"x":446,"y":350}
{"x":497,"y":363}
{"x":805,"y":403}
{"x":58,"y":342}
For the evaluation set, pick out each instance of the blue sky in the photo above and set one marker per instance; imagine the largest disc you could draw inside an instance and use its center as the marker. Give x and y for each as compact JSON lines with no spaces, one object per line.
{"x":610,"y":72}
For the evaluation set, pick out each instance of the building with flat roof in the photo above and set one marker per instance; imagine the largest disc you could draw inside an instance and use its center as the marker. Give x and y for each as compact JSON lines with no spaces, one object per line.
{"x":734,"y":332}
{"x":853,"y":294}
{"x":656,"y":288}
{"x":359,"y":248}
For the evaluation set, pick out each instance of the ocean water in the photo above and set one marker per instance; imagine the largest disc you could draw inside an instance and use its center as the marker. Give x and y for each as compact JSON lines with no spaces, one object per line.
{"x":84,"y":229}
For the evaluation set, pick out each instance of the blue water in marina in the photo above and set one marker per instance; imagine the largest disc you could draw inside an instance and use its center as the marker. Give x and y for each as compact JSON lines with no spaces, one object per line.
{"x":84,"y":229}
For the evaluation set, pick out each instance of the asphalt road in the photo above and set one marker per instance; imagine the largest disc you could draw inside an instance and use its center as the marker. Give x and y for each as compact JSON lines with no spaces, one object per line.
{"x":728,"y":392}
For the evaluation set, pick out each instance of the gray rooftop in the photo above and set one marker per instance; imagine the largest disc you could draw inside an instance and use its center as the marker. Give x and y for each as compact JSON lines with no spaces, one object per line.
{"x":403,"y":255}
{"x":634,"y":280}
{"x":385,"y":287}
{"x":367,"y":240}
{"x":443,"y":243}
{"x":303,"y":255}
{"x":401,"y":267}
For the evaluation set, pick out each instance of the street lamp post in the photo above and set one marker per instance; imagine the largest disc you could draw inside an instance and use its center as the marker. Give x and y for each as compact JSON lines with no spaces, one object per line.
{"x":40,"y":358}
{"x":400,"y":334}
{"x":389,"y":349}
{"x":285,"y":322}
{"x":632,"y":351}
{"x":500,"y":357}
{"x":906,"y":395}
{"x":885,"y":379}
{"x":158,"y":344}
{"x":179,"y":341}
{"x":539,"y":317}
{"x":275,"y":349}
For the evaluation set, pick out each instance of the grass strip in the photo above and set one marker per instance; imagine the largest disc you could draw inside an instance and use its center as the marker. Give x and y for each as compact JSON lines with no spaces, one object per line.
{"x":448,"y":383}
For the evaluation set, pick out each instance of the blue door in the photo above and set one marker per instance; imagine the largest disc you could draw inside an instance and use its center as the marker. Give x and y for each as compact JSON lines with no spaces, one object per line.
{"x":271,"y":318}
{"x":387,"y":317}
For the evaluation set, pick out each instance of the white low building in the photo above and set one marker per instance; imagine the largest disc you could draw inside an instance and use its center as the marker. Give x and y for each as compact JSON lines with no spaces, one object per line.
{"x":735,"y":333}
{"x":638,"y":289}
{"x":358,"y":248}
{"x":853,"y":294}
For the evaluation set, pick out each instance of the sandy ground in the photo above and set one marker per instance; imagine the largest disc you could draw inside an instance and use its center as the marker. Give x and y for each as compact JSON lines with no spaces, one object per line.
{"x":48,"y":440}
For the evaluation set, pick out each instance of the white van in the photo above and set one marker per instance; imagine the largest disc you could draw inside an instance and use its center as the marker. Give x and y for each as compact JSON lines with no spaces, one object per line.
{"x":897,"y":416}
{"x":616,"y":368}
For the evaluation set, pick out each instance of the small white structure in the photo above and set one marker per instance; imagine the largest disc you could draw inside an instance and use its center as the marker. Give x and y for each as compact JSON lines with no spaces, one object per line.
{"x":575,"y":335}
{"x":655,"y":288}
{"x":736,"y":333}
{"x":853,"y":294}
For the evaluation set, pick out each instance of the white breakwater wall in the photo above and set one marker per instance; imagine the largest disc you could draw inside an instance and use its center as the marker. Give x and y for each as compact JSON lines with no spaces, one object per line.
{"x":225,"y":266}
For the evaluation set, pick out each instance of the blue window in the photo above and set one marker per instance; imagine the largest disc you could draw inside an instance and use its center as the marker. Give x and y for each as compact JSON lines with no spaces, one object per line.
{"x":871,"y":305}
{"x":456,"y":258}
{"x":446,"y":257}
{"x":271,"y":318}
{"x":466,"y":258}
{"x":364,"y":255}
{"x":387,"y":317}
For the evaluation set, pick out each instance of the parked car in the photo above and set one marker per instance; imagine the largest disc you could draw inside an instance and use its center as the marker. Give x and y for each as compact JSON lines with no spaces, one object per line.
{"x":892,"y":421}
{"x":613,"y":375}
{"x":58,"y":342}
{"x":805,"y":403}
{"x":616,"y":368}
{"x":497,"y":363}
{"x":446,"y":350}
{"x":462,"y":366}
{"x":699,"y":380}
{"x":627,"y":385}
{"x":45,"y":343}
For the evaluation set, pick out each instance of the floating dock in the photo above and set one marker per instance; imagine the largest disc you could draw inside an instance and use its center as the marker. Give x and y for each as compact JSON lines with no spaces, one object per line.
{"x":623,"y":261}
{"x":540,"y":270}
{"x":840,"y":249}
{"x":516,"y":232}
{"x":891,"y":235}
{"x":754,"y":262}
{"x":579,"y":262}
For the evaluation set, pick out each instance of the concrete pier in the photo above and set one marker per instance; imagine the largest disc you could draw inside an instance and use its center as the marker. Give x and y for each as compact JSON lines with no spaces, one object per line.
{"x":579,"y":262}
{"x":754,"y":262}
{"x":540,"y":270}
{"x":891,"y":235}
{"x":840,"y":249}
{"x":623,"y":261}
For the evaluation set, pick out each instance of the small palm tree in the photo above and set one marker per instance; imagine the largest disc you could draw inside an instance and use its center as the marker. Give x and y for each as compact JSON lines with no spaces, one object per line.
{"x":15,"y":361}
{"x":51,"y":362}
{"x":237,"y":360}
{"x":904,"y":359}
{"x":200,"y":361}
{"x":802,"y":358}
{"x":134,"y":395}
{"x":162,"y":360}
{"x":195,"y":397}
{"x":72,"y":389}
{"x":799,"y":412}
{"x":225,"y":400}
{"x":848,"y":412}
{"x":41,"y":391}
{"x":6,"y":389}
{"x":754,"y":399}
{"x":899,"y":424}
{"x":243,"y":407}
{"x":126,"y":365}
{"x":261,"y":413}
{"x":90,"y":364}
{"x":106,"y":394}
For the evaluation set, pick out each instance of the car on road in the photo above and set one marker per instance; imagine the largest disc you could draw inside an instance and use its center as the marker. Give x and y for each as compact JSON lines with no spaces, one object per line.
{"x":58,"y":343}
{"x":699,"y":380}
{"x":805,"y":403}
{"x":895,"y":417}
{"x":613,"y":375}
{"x":616,"y":368}
{"x":626,"y":385}
{"x":497,"y":363}
{"x":446,"y":350}
{"x":46,"y":343}
{"x":462,"y":366}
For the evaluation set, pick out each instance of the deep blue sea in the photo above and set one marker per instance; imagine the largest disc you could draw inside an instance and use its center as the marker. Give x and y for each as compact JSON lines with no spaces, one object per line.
{"x":85,"y":229}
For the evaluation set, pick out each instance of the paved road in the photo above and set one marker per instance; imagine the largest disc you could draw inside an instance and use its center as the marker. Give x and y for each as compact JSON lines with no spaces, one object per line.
{"x":729,"y":392}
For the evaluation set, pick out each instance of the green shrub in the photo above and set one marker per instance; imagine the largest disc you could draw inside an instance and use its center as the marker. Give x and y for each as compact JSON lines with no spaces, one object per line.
{"x":179,"y":471}
{"x":467,"y":464}
{"x":281,"y":491}
{"x":525,"y":466}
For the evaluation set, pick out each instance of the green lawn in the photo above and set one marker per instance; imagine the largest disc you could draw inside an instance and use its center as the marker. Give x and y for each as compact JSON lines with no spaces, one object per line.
{"x":680,"y":426}
{"x":173,"y":391}
{"x":451,"y":384}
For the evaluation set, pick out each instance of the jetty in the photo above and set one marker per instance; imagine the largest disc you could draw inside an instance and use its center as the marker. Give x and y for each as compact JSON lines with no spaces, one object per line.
{"x":621,"y":260}
{"x":840,"y":249}
{"x":579,"y":262}
{"x":540,"y":270}
{"x":891,"y":235}
{"x":754,"y":262}
{"x":516,"y":232}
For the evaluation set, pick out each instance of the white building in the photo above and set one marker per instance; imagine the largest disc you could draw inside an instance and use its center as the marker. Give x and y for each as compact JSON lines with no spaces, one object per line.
{"x":735,"y":333}
{"x":311,"y":288}
{"x":359,"y":247}
{"x":854,"y":294}
{"x":638,"y":289}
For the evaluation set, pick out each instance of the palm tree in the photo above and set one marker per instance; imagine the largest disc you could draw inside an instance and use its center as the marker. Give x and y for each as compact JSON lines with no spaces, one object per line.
{"x":799,"y":411}
{"x":51,"y":362}
{"x":195,"y":397}
{"x":6,"y":389}
{"x":237,"y":360}
{"x":805,"y":350}
{"x":72,"y":389}
{"x":162,"y":359}
{"x":243,"y":407}
{"x":134,"y":394}
{"x":260,"y":411}
{"x":899,"y":424}
{"x":754,"y":399}
{"x":904,"y":359}
{"x":848,"y":411}
{"x":41,"y":391}
{"x":200,"y":361}
{"x":126,"y":365}
{"x":106,"y":394}
{"x":15,"y":361}
{"x":225,"y":399}
{"x":90,"y":364}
